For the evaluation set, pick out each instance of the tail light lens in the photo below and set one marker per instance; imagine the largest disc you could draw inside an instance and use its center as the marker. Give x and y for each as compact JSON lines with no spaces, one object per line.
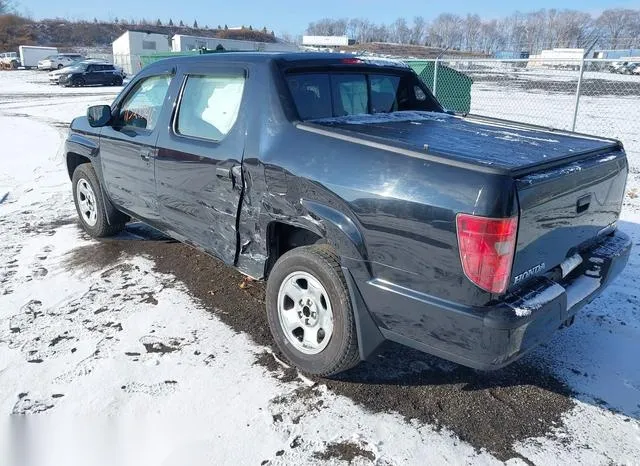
{"x":487,"y":247}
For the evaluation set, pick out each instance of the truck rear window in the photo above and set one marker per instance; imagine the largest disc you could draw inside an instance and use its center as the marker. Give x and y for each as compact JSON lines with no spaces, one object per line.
{"x":334,"y":94}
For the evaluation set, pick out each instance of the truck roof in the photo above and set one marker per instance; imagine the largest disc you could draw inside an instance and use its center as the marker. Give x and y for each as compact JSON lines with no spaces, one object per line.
{"x":288,"y":58}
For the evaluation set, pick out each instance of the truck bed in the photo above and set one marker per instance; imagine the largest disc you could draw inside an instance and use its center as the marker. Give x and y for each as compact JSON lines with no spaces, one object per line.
{"x":490,"y":144}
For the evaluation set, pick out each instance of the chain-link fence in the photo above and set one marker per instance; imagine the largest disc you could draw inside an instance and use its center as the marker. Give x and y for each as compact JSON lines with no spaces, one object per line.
{"x":594,"y":96}
{"x":600,"y":97}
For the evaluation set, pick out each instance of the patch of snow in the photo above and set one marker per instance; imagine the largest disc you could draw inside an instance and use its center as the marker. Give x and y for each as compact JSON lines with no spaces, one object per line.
{"x":520,"y":137}
{"x":608,"y":158}
{"x":375,"y":118}
{"x":580,"y":288}
{"x":382,"y":61}
{"x":554,"y":172}
{"x":570,"y":263}
{"x":532,"y":303}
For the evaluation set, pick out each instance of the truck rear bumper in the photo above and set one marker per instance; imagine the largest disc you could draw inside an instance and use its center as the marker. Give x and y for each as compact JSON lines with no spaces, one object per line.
{"x":487,"y":338}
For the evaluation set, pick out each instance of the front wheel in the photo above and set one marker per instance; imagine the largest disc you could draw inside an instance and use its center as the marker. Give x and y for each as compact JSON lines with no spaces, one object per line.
{"x":91,"y":205}
{"x":309,"y":311}
{"x":78,"y":82}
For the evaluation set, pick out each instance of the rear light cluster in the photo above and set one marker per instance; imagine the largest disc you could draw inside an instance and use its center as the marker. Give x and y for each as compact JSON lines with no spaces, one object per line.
{"x":487,"y":247}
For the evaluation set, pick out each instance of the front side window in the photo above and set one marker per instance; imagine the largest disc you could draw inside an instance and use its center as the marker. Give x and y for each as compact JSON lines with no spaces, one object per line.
{"x":142,"y":106}
{"x":210,"y":105}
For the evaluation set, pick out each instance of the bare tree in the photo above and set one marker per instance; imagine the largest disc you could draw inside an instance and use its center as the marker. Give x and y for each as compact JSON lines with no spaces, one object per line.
{"x":573,"y":29}
{"x":618,"y":24}
{"x":400,"y":32}
{"x":471,"y":32}
{"x":519,"y":32}
{"x":490,"y":40}
{"x":419,"y":30}
{"x":445,"y":31}
{"x":328,"y":27}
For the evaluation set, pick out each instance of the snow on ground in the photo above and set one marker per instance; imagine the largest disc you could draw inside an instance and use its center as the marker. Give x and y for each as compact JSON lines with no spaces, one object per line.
{"x":122,"y":365}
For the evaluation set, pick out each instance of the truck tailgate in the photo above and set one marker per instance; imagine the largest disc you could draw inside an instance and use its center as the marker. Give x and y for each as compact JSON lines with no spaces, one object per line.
{"x":564,"y":209}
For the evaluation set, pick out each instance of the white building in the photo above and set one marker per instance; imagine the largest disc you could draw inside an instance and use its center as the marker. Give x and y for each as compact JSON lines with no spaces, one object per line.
{"x":185,"y":43}
{"x":129,"y":46}
{"x":326,"y":41}
{"x":556,"y":58}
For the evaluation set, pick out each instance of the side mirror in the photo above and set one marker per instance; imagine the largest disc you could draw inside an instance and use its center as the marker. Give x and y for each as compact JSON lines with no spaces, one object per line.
{"x":99,"y":115}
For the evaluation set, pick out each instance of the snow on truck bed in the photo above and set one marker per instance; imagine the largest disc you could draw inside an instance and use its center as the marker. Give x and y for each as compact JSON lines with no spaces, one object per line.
{"x":500,"y":144}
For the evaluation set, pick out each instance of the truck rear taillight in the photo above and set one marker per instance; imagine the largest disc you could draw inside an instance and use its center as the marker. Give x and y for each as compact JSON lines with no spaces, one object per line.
{"x":487,"y":247}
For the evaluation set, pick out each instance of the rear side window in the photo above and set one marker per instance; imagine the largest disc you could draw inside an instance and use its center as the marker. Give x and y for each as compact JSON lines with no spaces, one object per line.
{"x":142,"y":106}
{"x":385,"y":93}
{"x":209,"y":105}
{"x":312,"y":95}
{"x":350,"y":94}
{"x":337,"y":93}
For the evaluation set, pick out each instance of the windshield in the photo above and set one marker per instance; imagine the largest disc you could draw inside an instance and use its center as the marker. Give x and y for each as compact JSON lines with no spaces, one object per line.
{"x":328,"y":94}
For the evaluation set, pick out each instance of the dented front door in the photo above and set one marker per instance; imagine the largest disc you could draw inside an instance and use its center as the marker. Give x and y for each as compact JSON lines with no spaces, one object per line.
{"x":198,"y":167}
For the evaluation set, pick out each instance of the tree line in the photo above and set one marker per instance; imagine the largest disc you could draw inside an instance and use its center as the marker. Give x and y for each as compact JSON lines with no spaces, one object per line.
{"x":16,"y":30}
{"x":519,"y":32}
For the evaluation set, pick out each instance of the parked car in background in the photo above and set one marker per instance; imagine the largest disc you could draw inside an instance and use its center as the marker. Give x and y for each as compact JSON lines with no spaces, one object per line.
{"x":615,"y":67}
{"x":372,"y":212}
{"x":631,"y":68}
{"x":9,"y":60}
{"x":54,"y":76}
{"x":55,"y":62}
{"x":91,"y":74}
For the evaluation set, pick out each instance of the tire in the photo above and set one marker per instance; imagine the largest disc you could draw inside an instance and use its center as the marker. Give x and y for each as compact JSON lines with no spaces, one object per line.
{"x":78,"y":82}
{"x":103,"y":219}
{"x":60,"y":66}
{"x":117,"y":81}
{"x":312,"y":265}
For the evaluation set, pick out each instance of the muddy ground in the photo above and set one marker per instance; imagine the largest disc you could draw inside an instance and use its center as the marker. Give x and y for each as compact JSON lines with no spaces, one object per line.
{"x":490,"y":410}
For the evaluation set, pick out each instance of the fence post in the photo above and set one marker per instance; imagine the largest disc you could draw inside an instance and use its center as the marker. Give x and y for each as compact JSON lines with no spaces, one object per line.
{"x":578,"y":90}
{"x":435,"y":78}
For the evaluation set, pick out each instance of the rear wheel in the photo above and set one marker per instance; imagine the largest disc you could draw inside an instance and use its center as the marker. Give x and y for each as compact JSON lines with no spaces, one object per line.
{"x":97,"y":216}
{"x":117,"y":81}
{"x":309,"y":311}
{"x":60,"y":66}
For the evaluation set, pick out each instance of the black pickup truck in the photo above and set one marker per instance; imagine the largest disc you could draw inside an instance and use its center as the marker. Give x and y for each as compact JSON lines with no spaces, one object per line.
{"x":373,"y":213}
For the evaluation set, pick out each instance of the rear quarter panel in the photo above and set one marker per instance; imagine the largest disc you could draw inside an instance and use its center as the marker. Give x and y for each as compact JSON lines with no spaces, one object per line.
{"x":405,"y":207}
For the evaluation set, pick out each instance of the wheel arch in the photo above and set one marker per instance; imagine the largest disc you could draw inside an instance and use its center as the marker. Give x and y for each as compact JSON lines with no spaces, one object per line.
{"x":324,"y":224}
{"x":74,"y":160}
